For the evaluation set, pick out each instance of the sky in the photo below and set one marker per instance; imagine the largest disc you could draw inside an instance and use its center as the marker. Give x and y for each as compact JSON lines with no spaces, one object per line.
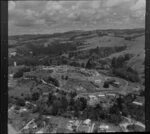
{"x":43,"y":16}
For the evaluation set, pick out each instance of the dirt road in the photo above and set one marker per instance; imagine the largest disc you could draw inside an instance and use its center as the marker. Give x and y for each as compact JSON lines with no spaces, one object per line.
{"x":11,"y":130}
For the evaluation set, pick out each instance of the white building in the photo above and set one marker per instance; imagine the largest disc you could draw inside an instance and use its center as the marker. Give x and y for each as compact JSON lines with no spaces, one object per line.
{"x":137,"y":103}
{"x":23,"y":110}
{"x":87,"y":122}
{"x":104,"y":127}
{"x":111,"y":94}
{"x":101,"y":95}
{"x":98,"y":81}
{"x":92,"y":96}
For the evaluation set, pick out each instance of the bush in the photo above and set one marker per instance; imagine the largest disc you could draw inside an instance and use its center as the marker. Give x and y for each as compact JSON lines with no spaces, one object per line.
{"x":21,"y":71}
{"x":75,"y":64}
{"x":53,"y":81}
{"x":20,"y":102}
{"x":127,"y":73}
{"x":35,"y":96}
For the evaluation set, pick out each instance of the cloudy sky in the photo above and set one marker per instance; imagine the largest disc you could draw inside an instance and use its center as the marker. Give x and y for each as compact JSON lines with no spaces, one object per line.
{"x":31,"y":17}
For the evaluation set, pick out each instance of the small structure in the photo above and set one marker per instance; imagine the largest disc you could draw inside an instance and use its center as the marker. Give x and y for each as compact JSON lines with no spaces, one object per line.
{"x":111,"y":94}
{"x":137,"y":103}
{"x":87,"y":122}
{"x":11,"y":75}
{"x":101,"y":95}
{"x":98,"y":81}
{"x":45,"y":93}
{"x":92,"y":96}
{"x":31,"y":52}
{"x":23,"y":110}
{"x":64,"y":55}
{"x":103,"y":127}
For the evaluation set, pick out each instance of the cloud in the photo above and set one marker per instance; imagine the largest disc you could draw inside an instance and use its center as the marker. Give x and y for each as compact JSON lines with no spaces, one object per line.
{"x":53,"y":16}
{"x":139,"y":5}
{"x":11,"y":5}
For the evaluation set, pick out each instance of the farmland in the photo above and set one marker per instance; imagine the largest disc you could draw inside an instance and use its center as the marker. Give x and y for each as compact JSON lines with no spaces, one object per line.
{"x":84,"y":81}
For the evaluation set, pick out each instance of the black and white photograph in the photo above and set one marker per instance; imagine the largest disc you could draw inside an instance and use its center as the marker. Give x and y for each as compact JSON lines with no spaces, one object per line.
{"x":76,"y":66}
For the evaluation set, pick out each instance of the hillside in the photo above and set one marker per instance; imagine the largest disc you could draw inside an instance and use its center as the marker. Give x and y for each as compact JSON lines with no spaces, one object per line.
{"x":80,"y":46}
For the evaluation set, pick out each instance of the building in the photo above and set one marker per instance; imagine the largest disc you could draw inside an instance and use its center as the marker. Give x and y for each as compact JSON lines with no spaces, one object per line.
{"x":87,"y":122}
{"x":103,"y":127}
{"x":92,"y":97}
{"x":98,"y":81}
{"x":137,"y":103}
{"x":111,"y":94}
{"x":15,"y":63}
{"x":101,"y":95}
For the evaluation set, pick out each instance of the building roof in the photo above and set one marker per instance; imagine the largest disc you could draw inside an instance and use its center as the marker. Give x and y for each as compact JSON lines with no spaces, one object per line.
{"x":101,"y":95}
{"x":104,"y":127}
{"x":87,"y":121}
{"x":137,"y":103}
{"x":92,"y":96}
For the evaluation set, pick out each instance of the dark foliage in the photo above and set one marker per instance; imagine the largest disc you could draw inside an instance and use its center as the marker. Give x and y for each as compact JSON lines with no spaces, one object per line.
{"x":53,"y":81}
{"x":20,"y":72}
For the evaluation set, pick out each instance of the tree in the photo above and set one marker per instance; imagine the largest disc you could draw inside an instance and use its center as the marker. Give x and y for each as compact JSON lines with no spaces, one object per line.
{"x":20,"y":72}
{"x":20,"y":102}
{"x":50,"y":97}
{"x":53,"y":81}
{"x":64,"y":103}
{"x":114,"y":118}
{"x":35,"y":96}
{"x":55,"y":109}
{"x":89,"y":64}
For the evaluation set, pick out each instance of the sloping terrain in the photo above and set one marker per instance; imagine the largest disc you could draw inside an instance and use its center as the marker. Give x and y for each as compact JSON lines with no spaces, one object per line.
{"x":46,"y":47}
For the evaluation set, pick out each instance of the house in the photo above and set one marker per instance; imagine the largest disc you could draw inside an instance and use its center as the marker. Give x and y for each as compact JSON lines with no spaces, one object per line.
{"x":87,"y":122}
{"x":15,"y":63}
{"x":103,"y":127}
{"x":64,"y":55}
{"x":23,"y":110}
{"x":101,"y":95}
{"x":111,"y":94}
{"x":137,"y":103}
{"x":11,"y":75}
{"x":92,"y":97}
{"x":98,"y":81}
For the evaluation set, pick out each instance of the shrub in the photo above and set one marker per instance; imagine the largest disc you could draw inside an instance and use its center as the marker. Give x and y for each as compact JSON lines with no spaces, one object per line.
{"x":21,"y":71}
{"x":53,"y":81}
{"x":127,"y":73}
{"x":35,"y":96}
{"x":20,"y":102}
